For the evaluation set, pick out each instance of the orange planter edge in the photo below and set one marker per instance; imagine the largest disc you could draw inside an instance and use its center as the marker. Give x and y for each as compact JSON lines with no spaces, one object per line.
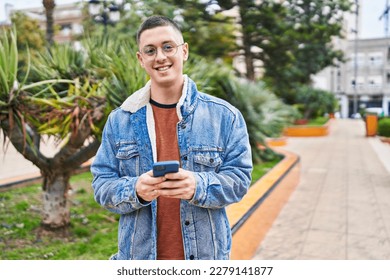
{"x":253,"y":216}
{"x":276,"y":142}
{"x":307,"y":130}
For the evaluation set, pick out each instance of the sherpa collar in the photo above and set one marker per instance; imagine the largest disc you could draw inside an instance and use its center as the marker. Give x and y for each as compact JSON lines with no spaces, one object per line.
{"x":141,"y":98}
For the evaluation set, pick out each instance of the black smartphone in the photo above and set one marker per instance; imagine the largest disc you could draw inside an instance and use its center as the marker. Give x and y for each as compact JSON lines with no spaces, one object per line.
{"x":163,"y":167}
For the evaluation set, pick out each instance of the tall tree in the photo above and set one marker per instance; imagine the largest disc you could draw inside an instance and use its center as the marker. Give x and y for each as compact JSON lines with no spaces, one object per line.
{"x":298,"y":41}
{"x":292,"y":39}
{"x":29,"y":34}
{"x":247,"y":12}
{"x":30,"y":40}
{"x":209,"y":33}
{"x":317,"y":23}
{"x":49,"y":6}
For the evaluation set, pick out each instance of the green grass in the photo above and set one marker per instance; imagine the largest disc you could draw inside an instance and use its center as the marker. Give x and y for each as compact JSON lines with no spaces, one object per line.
{"x":318,"y":121}
{"x":92,"y":234}
{"x":260,"y":169}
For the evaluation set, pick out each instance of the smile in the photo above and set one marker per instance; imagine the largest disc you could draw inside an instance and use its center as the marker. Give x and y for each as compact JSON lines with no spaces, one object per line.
{"x":163,"y":68}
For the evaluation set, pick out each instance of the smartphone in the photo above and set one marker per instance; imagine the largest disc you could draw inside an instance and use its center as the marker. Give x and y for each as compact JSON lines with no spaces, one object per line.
{"x":163,"y":167}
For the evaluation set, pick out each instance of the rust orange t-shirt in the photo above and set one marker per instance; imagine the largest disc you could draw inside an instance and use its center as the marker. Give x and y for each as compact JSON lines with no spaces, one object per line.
{"x":169,"y":236}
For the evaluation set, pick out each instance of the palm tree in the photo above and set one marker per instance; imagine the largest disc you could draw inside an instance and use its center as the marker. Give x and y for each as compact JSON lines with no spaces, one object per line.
{"x":68,"y":97}
{"x":68,"y":109}
{"x":49,"y":10}
{"x":264,"y":113}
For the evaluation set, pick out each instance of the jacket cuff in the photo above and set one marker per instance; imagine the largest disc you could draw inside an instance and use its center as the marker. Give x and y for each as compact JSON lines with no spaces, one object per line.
{"x":136,"y":201}
{"x":200,"y":190}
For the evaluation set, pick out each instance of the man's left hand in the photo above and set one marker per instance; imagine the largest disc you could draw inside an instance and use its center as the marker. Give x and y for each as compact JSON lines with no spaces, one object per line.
{"x":181,"y":184}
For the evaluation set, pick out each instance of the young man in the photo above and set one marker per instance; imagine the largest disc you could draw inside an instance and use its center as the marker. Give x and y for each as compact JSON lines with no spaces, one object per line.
{"x":180,"y":215}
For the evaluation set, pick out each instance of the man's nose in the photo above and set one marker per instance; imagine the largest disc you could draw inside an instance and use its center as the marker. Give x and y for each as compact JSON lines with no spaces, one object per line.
{"x":160,"y":54}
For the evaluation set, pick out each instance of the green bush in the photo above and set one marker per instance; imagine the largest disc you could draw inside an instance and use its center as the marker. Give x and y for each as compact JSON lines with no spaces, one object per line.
{"x":312,"y":102}
{"x":384,"y":127}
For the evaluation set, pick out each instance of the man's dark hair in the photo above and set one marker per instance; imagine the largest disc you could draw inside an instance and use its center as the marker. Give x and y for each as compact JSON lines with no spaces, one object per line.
{"x":156,"y":21}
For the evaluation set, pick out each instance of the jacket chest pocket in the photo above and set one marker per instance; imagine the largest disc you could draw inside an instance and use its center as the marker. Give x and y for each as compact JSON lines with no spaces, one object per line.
{"x":128,"y":157}
{"x":206,"y":161}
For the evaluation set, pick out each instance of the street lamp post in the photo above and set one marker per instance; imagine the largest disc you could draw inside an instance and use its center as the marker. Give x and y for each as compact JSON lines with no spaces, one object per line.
{"x":355,"y":101}
{"x":105,"y":12}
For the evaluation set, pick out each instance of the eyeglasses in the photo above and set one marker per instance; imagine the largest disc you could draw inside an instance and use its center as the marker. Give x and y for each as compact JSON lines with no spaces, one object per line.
{"x":168,"y":49}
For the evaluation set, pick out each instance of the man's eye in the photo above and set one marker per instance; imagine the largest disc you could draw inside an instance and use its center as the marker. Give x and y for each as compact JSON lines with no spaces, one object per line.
{"x":149,"y":51}
{"x":168,"y":48}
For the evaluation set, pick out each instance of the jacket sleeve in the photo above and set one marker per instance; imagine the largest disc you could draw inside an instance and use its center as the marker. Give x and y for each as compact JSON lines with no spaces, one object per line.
{"x":116,"y":194}
{"x":231,"y":182}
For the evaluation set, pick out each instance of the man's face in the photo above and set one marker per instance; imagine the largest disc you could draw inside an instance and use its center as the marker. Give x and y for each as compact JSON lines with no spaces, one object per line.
{"x":162,"y":68}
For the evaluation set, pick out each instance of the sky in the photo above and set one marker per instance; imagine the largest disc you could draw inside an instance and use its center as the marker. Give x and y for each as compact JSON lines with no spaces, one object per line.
{"x":370,"y":26}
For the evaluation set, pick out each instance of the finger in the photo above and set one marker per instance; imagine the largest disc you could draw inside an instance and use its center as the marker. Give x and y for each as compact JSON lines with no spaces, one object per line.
{"x":180,"y":175}
{"x":172,"y":192}
{"x":151,"y":195}
{"x":148,"y":179}
{"x":170,"y":184}
{"x":183,"y":193}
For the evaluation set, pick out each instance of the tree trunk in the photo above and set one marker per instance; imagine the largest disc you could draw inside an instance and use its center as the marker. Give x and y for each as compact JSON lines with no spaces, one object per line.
{"x":56,"y":171}
{"x":307,"y":113}
{"x":246,"y":42}
{"x":49,"y":9}
{"x":250,"y":70}
{"x":56,"y":210}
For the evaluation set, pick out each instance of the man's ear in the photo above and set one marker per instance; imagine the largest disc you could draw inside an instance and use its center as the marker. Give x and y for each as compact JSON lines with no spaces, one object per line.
{"x":140,"y":59}
{"x":185,"y":51}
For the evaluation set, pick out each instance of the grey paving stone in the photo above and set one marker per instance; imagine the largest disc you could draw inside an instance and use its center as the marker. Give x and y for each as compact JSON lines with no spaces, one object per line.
{"x":341,"y":207}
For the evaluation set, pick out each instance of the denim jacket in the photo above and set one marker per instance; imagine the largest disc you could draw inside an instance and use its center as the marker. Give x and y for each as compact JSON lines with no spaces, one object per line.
{"x":213,"y":143}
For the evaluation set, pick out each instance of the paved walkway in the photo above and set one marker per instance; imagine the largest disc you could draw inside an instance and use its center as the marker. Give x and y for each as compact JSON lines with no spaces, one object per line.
{"x":14,"y":167}
{"x":341,"y":207}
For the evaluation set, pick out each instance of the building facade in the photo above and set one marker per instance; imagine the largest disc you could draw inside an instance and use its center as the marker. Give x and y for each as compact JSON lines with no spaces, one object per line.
{"x":67,"y":20}
{"x":367,"y":73}
{"x":363,"y":81}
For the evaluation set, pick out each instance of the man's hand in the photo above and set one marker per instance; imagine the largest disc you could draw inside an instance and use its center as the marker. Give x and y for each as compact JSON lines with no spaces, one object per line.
{"x":181,"y":184}
{"x":147,"y":186}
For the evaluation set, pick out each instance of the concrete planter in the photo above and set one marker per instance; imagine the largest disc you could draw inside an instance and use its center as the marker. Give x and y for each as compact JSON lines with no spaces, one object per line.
{"x":307,"y":130}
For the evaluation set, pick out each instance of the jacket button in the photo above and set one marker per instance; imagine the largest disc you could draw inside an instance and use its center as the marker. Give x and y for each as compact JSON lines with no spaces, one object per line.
{"x":211,"y":160}
{"x":192,"y":257}
{"x":183,"y":126}
{"x":185,"y":157}
{"x":187,"y":223}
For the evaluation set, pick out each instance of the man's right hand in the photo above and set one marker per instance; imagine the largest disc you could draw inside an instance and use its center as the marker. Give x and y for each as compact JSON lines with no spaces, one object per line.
{"x":146,"y":186}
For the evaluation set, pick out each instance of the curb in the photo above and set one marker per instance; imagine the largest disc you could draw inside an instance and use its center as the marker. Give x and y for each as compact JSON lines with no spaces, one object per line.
{"x":34,"y":178}
{"x":253,"y":216}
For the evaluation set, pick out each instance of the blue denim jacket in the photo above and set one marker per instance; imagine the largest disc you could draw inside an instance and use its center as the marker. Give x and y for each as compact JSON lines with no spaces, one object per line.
{"x":213,"y":143}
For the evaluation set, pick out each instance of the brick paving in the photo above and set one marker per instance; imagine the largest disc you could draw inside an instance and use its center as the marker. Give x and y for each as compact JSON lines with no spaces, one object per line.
{"x":14,"y":167}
